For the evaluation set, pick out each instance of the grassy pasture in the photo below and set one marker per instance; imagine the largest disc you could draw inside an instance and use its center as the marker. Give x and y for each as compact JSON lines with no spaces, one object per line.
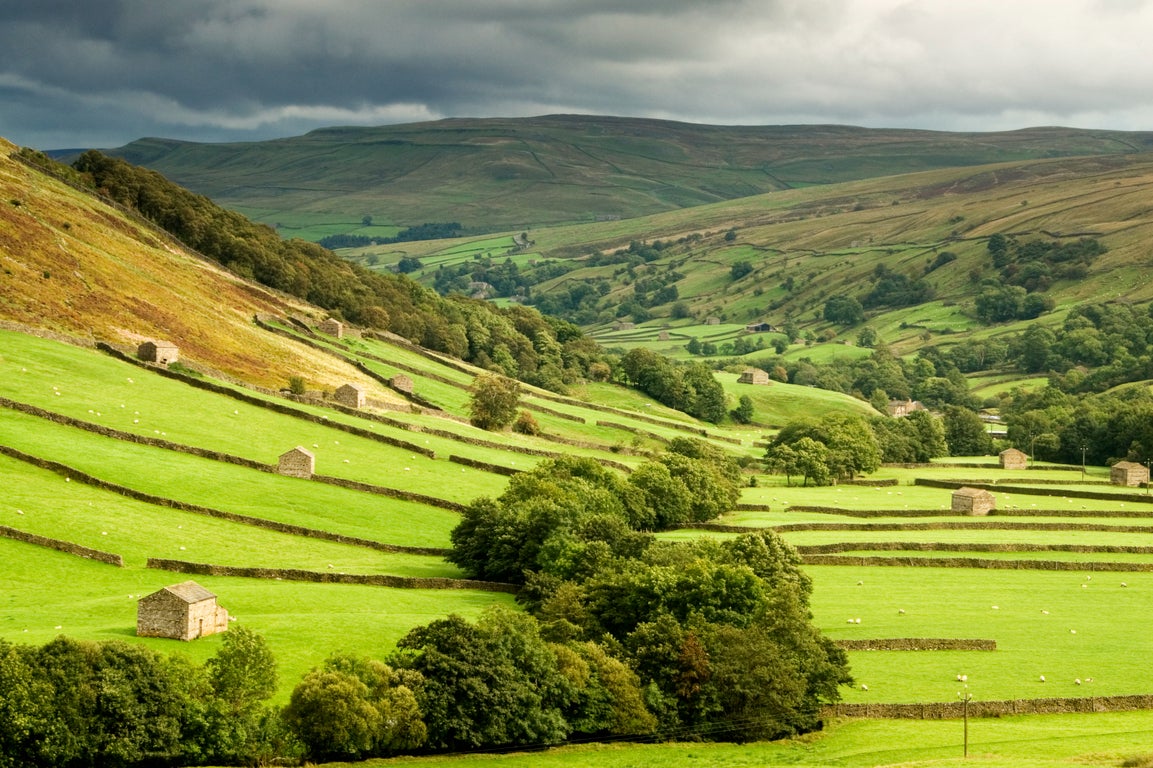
{"x":303,"y":622}
{"x":42,"y":502}
{"x":235,"y":489}
{"x":1047,"y":741}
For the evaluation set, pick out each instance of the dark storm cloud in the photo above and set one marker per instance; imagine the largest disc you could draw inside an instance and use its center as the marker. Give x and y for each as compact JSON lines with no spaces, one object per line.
{"x":102,"y":72}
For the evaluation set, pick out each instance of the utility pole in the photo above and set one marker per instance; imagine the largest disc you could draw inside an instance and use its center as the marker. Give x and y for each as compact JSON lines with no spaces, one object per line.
{"x":1082,"y":463}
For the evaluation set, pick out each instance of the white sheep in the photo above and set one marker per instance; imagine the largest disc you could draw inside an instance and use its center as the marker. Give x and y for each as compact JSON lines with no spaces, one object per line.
{"x":864,"y":687}
{"x":1077,"y":681}
{"x":1042,"y":678}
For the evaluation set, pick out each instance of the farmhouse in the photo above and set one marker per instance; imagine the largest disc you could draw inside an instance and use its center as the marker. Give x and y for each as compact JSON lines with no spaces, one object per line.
{"x":181,"y":612}
{"x":401,"y":383}
{"x":1011,"y":458}
{"x":332,"y":327}
{"x":160,"y":352}
{"x":753,"y":376}
{"x":1129,"y":473}
{"x":299,"y":462}
{"x":351,"y":395}
{"x":898,"y":408}
{"x":973,"y":501}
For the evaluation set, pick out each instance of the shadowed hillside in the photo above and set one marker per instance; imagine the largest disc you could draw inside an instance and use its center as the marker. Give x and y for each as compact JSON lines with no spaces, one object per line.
{"x":494,"y":174}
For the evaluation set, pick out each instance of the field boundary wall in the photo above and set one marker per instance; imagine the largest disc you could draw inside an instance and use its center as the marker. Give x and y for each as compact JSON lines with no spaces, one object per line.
{"x":917,"y":644}
{"x":955,"y":709}
{"x":258,"y":522}
{"x":860,"y":561}
{"x":67,"y":547}
{"x":260,"y":402}
{"x":328,"y":577}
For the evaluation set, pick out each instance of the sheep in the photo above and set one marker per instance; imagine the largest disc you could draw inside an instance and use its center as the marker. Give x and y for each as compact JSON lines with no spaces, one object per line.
{"x":1072,"y":631}
{"x":900,"y":611}
{"x":1077,"y":681}
{"x":1042,"y":678}
{"x":864,"y":687}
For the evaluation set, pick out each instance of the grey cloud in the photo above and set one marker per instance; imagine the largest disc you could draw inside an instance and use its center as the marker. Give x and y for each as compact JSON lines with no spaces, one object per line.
{"x":107,"y":71}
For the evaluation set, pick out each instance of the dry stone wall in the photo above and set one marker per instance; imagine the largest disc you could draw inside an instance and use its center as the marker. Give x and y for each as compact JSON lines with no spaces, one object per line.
{"x":955,"y":709}
{"x":292,"y":574}
{"x":61,"y":546}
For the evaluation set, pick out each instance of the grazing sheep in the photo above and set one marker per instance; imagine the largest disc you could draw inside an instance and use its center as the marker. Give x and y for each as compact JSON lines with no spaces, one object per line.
{"x":864,"y":687}
{"x":1077,"y":681}
{"x":901,"y":611}
{"x":1042,"y":678}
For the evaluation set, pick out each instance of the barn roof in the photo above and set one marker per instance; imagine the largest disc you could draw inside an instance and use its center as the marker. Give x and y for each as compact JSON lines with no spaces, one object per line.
{"x":973,"y":492}
{"x":190,"y":592}
{"x":1129,"y":465}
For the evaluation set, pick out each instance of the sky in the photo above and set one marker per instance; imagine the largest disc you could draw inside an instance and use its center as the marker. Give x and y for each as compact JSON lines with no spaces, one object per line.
{"x":101,"y":73}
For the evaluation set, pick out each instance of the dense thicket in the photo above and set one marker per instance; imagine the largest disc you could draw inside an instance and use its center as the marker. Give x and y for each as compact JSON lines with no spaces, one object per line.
{"x":74,"y":703}
{"x":518,"y":341}
{"x":717,"y":636}
{"x":691,"y":387}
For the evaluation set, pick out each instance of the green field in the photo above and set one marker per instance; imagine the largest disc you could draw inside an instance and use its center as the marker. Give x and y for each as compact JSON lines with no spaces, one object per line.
{"x":1045,"y":741}
{"x":1066,"y":625}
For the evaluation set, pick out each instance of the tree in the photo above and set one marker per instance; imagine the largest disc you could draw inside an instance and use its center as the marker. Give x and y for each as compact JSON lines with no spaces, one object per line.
{"x":740,"y":269}
{"x":353,"y":708}
{"x":844,"y":310}
{"x":743,"y":413}
{"x":493,"y":683}
{"x":494,"y":401}
{"x":965,"y":434}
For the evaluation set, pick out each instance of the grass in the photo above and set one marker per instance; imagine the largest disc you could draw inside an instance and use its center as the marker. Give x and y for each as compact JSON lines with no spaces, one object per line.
{"x":303,"y":622}
{"x":1046,"y":741}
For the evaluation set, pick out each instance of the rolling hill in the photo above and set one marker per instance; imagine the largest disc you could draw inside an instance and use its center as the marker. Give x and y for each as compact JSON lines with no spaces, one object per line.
{"x":503,"y":174}
{"x":796,"y":249}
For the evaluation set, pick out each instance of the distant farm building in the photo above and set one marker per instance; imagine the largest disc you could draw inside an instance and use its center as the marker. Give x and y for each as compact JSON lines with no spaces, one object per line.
{"x":712,"y":321}
{"x":663,"y":336}
{"x":1128,"y":473}
{"x":351,"y":395}
{"x":753,"y":376}
{"x":898,"y":408}
{"x":1011,"y":458}
{"x":401,"y":383}
{"x":299,"y":462}
{"x":973,"y":501}
{"x":624,"y":326}
{"x":759,"y":328}
{"x":160,"y":352}
{"x":332,"y":327}
{"x":181,"y":612}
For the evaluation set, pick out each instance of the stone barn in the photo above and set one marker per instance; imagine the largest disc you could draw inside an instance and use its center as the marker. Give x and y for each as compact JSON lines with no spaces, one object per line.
{"x":663,"y":336}
{"x":1011,"y":458}
{"x":1129,"y":473}
{"x":160,"y":352}
{"x":401,"y":383}
{"x":973,"y":501}
{"x":899,"y":408}
{"x":712,"y":321}
{"x":299,"y":462}
{"x":332,"y":327}
{"x":351,"y":395}
{"x":624,"y":326}
{"x":180,"y":612}
{"x":753,"y":376}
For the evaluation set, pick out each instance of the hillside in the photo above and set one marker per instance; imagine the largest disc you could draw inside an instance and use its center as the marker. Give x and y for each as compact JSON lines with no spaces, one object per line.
{"x":503,"y":174}
{"x":73,"y":265}
{"x":783,"y":255}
